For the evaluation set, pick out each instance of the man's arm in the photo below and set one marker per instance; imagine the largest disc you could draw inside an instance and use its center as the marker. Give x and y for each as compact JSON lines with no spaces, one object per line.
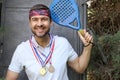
{"x":11,"y":75}
{"x":81,"y":62}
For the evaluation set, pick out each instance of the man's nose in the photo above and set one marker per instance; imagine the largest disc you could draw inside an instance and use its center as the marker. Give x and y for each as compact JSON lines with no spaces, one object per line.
{"x":39,"y":23}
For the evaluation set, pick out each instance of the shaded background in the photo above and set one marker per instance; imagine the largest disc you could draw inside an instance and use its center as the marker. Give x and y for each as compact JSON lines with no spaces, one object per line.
{"x":15,"y":24}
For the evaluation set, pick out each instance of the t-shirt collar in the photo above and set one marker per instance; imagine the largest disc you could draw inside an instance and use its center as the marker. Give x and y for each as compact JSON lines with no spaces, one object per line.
{"x":37,"y":45}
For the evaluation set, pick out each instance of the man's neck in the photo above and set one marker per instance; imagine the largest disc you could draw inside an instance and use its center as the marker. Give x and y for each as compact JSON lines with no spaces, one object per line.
{"x":44,"y":41}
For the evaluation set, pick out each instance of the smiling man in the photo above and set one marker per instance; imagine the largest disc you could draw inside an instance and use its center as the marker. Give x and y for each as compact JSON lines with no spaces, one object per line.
{"x":45,"y":56}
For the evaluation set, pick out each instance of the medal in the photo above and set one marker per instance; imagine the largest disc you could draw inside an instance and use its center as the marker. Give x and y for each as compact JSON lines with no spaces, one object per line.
{"x":38,"y":55}
{"x":51,"y":68}
{"x":43,"y":71}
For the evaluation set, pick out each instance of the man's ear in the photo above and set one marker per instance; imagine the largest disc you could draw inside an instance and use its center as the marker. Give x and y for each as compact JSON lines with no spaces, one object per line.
{"x":29,"y":22}
{"x":51,"y":22}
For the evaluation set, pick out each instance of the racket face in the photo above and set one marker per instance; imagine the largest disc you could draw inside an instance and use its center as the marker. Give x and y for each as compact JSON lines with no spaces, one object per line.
{"x":64,"y":12}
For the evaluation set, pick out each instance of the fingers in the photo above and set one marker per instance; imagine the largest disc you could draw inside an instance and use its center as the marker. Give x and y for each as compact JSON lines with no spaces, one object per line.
{"x":88,"y":38}
{"x":85,"y":37}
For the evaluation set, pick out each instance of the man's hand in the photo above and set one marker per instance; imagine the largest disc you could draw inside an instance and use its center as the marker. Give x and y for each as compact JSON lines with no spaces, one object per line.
{"x":85,"y":37}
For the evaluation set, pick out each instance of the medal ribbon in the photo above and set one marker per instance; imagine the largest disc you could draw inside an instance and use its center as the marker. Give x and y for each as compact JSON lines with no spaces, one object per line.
{"x":37,"y":55}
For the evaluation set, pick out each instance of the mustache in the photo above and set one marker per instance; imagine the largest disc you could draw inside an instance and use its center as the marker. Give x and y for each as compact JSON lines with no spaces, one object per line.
{"x":40,"y":26}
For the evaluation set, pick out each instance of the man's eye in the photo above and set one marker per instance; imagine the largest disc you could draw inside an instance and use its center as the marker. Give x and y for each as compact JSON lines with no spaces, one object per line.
{"x":34,"y":19}
{"x":45,"y":19}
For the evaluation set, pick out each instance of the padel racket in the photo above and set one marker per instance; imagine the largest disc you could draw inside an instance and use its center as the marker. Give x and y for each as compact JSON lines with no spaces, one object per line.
{"x":65,"y":12}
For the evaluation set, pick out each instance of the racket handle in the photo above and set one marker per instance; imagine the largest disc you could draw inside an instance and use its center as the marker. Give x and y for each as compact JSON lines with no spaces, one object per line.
{"x":82,"y":32}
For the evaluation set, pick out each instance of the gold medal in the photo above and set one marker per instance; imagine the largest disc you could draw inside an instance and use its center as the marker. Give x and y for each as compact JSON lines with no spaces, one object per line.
{"x":43,"y":71}
{"x":51,"y":68}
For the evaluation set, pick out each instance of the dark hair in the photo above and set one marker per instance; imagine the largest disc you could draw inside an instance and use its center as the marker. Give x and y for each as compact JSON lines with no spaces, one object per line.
{"x":40,"y":7}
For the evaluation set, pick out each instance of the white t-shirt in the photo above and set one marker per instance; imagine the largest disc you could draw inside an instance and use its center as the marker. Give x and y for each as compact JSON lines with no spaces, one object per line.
{"x":24,"y":57}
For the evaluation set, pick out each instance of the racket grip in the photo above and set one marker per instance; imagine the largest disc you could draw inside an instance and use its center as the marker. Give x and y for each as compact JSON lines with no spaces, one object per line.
{"x":82,"y":32}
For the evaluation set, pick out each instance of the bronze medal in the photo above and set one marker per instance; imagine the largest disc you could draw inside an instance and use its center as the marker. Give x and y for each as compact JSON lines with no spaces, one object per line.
{"x":43,"y":71}
{"x":51,"y":68}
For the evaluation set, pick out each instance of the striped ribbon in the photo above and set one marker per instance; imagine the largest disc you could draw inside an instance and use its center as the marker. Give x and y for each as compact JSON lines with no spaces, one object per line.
{"x":38,"y":54}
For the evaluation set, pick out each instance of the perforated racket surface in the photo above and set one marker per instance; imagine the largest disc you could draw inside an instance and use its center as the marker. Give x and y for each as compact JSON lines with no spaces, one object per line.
{"x":65,"y":12}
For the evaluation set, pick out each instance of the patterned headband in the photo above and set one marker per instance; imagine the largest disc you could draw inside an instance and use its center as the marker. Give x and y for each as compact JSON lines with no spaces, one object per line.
{"x":39,"y":12}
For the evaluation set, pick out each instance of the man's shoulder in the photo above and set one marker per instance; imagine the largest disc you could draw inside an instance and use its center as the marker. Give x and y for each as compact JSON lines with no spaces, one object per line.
{"x":23,"y":44}
{"x":60,"y":37}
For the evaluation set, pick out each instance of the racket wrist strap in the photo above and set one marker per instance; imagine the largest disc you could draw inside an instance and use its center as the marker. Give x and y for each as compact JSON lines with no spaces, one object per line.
{"x":89,"y":44}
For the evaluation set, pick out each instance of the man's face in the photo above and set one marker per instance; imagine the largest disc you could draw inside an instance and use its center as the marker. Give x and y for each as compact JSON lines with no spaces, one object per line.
{"x":40,"y":25}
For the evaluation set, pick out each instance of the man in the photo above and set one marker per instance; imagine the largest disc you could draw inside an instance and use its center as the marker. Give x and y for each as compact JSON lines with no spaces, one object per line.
{"x":45,"y":56}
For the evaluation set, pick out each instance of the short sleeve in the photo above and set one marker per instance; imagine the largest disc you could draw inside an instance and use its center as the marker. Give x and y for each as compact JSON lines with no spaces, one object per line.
{"x":72,"y":54}
{"x":15,"y":64}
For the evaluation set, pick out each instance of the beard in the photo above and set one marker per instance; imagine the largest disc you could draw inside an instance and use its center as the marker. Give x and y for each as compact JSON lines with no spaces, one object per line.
{"x":41,"y":35}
